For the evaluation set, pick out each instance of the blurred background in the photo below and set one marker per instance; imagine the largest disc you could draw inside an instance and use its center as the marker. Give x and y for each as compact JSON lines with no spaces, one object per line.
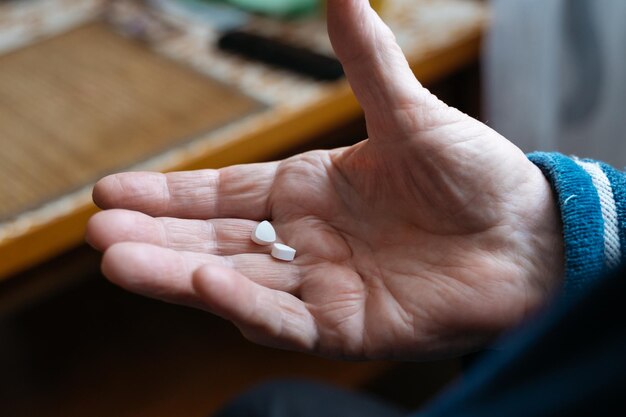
{"x":92,"y":87}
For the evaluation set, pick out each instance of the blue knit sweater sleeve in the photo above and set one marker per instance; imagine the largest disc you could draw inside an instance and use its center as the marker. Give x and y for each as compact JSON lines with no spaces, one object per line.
{"x":592,"y":200}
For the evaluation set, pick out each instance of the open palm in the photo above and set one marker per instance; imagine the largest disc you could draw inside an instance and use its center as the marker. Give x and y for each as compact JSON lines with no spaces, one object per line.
{"x":426,"y":240}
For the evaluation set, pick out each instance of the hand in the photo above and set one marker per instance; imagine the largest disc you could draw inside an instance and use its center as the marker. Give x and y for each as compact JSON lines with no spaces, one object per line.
{"x":426,"y":240}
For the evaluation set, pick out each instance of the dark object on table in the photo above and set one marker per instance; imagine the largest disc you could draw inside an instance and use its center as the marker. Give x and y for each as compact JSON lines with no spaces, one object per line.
{"x":281,"y":54}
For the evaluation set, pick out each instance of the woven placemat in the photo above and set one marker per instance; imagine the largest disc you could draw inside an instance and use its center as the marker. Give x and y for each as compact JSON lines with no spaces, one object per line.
{"x":80,"y":105}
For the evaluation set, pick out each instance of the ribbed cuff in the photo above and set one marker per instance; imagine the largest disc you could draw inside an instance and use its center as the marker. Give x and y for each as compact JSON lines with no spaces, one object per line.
{"x":618,"y":185}
{"x":589,"y":228}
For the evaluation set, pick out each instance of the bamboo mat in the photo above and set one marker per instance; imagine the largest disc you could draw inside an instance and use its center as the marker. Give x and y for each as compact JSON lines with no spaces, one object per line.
{"x":90,"y":102}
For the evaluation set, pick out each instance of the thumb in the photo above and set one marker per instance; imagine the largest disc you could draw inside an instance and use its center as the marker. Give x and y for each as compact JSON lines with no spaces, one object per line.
{"x":395,"y":103}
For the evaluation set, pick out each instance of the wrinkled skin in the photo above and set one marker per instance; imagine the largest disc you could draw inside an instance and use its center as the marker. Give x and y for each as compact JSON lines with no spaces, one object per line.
{"x":426,"y":240}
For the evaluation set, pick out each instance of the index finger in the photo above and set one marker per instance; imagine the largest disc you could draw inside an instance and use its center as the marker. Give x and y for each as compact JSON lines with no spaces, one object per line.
{"x":239,"y":191}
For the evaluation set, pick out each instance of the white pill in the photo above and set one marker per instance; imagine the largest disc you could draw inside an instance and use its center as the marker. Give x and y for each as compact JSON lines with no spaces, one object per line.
{"x":264,"y":234}
{"x":283,"y":252}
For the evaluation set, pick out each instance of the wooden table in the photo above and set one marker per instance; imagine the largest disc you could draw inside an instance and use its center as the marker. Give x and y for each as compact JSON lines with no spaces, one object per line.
{"x":438,"y":36}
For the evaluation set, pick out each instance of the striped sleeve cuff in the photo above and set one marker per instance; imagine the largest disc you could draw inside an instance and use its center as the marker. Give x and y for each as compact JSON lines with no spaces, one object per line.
{"x":592,"y":200}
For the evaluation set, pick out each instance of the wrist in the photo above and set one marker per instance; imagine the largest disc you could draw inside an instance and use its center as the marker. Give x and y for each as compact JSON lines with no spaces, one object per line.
{"x":546,"y":241}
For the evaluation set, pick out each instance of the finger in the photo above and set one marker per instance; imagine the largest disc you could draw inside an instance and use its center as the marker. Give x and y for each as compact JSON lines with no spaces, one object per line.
{"x":166,"y":274}
{"x":394,"y":102}
{"x":239,"y":191}
{"x":265,"y":316}
{"x":217,"y":236}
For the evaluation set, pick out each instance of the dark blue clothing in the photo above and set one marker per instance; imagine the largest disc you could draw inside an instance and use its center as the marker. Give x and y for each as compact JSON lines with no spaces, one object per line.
{"x":569,"y":362}
{"x":296,"y":398}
